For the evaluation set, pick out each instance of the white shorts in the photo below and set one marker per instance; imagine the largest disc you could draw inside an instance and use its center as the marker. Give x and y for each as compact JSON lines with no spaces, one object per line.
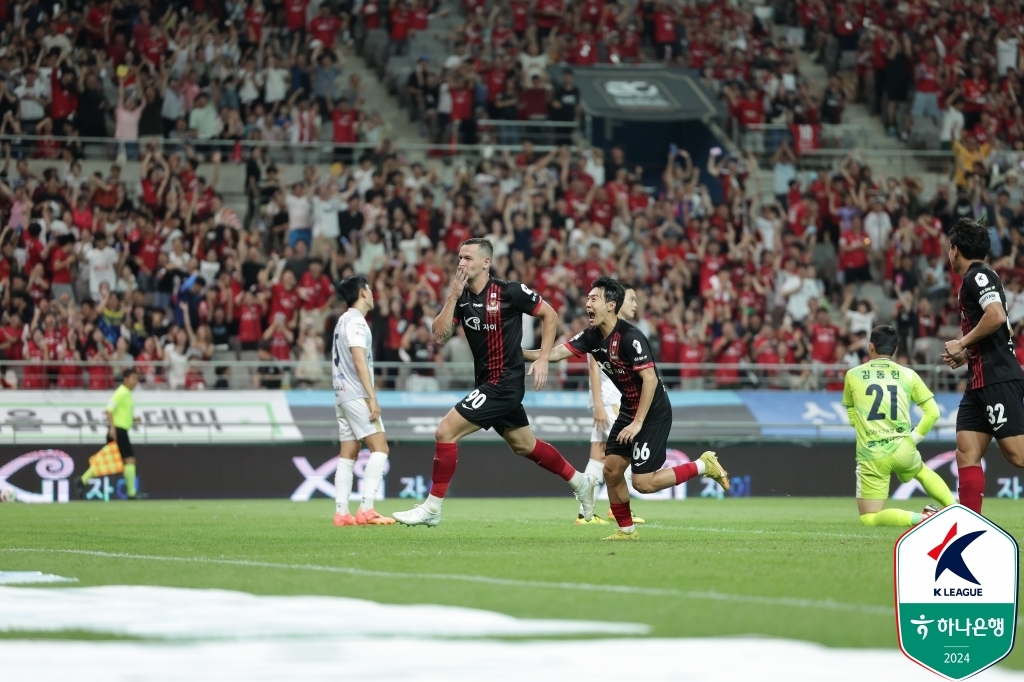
{"x":602,"y":436}
{"x":354,"y":420}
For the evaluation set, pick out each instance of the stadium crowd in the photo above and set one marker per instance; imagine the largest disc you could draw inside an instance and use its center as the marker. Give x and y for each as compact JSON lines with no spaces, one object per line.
{"x":954,"y":64}
{"x":162,"y":274}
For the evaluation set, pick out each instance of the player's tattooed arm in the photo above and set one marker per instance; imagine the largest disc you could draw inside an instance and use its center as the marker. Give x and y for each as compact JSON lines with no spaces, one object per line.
{"x":443,"y":328}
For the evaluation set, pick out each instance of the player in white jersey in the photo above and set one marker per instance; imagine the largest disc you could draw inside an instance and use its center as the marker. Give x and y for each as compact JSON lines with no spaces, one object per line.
{"x":603,"y":400}
{"x":355,"y":403}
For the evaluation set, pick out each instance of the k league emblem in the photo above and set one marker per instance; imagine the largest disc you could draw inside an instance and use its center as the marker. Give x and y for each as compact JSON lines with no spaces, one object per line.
{"x":956,"y":593}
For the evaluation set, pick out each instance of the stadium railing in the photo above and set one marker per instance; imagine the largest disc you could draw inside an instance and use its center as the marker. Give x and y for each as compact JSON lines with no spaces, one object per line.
{"x":765,"y":138}
{"x":546,"y":135}
{"x":431,"y":376}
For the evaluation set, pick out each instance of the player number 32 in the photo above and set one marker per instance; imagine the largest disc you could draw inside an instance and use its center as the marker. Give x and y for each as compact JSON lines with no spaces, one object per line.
{"x":996,"y":414}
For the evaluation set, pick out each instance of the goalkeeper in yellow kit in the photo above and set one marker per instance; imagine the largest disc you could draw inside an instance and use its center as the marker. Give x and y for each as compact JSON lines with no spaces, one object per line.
{"x":877,"y":397}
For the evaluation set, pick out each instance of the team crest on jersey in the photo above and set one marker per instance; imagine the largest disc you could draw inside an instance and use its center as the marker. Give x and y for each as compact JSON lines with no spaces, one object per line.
{"x":493,"y":304}
{"x":613,"y":349}
{"x":981,"y":279}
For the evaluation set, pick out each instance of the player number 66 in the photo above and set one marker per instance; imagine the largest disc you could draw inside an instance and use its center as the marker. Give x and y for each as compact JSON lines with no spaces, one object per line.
{"x":641,"y":453}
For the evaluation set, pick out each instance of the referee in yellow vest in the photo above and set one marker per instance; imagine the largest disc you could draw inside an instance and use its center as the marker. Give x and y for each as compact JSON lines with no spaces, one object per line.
{"x":121,"y":417}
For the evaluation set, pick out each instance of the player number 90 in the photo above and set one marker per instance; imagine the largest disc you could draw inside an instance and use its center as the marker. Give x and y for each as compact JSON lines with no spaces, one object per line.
{"x":475,"y":399}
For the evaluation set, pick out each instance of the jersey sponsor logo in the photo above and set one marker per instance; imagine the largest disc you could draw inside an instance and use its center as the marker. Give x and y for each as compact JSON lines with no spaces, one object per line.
{"x":528,"y":292}
{"x":463,"y":305}
{"x":475,"y":324}
{"x":607,"y":366}
{"x":636,"y":345}
{"x":981,"y":278}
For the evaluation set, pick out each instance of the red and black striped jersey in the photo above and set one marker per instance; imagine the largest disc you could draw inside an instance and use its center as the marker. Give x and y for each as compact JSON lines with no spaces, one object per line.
{"x":991,"y":360}
{"x":493,"y":321}
{"x":622,"y":355}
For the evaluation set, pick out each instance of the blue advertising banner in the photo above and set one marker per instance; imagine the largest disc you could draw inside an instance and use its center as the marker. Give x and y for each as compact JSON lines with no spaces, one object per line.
{"x":810,"y":414}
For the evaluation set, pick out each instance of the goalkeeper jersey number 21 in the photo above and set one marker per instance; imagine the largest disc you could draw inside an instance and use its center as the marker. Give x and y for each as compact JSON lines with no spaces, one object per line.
{"x":880,"y":393}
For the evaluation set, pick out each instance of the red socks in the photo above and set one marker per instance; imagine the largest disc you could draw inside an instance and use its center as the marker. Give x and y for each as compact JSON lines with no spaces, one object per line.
{"x":684,"y":472}
{"x":622,"y":514}
{"x":548,"y":457}
{"x":446,"y":456}
{"x":972,"y":487}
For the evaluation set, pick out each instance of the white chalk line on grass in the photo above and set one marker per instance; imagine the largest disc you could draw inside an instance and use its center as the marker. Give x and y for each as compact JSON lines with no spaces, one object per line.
{"x":709,"y":595}
{"x":710,"y":529}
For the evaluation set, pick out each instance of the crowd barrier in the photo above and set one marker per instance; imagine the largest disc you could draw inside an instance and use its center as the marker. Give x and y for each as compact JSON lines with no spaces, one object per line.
{"x":430,"y":376}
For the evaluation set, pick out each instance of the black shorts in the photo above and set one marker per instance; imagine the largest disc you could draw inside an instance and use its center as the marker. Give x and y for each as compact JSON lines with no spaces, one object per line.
{"x":647,"y":451}
{"x":123,"y":444}
{"x":490,"y":406}
{"x":997,"y":410}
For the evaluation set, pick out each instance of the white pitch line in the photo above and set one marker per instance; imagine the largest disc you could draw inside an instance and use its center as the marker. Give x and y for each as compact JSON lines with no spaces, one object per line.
{"x":710,"y":529}
{"x":710,"y":595}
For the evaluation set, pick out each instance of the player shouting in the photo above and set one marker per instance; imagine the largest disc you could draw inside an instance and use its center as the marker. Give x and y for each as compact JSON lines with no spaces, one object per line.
{"x":993,"y":404}
{"x":877,"y":397}
{"x":639,"y":436}
{"x":491,"y":312}
{"x":355,"y":403}
{"x":604,"y":400}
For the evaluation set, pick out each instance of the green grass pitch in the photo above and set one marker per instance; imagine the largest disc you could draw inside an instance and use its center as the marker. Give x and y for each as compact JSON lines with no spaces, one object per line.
{"x":795,"y":568}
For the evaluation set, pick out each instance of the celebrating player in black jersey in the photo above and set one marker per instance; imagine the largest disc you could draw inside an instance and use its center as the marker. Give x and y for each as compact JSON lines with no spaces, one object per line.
{"x":491,"y":312}
{"x":640,"y":433}
{"x":993,"y":404}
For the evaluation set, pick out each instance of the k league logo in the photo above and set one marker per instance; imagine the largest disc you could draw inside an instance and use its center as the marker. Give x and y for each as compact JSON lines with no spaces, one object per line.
{"x":950,"y":556}
{"x":956,"y":592}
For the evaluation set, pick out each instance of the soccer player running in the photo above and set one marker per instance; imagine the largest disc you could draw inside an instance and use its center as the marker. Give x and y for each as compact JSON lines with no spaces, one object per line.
{"x":355,"y":404}
{"x":604,"y":400}
{"x":639,"y":436}
{"x":121,"y":417}
{"x":993,"y":404}
{"x":877,"y":397}
{"x":491,"y":313}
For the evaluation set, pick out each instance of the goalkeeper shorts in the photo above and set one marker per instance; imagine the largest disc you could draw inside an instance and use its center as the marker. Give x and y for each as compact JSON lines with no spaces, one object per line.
{"x":873,"y":474}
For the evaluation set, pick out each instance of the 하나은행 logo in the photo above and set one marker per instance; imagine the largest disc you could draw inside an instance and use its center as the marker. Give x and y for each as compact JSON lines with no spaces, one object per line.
{"x":956,"y":579}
